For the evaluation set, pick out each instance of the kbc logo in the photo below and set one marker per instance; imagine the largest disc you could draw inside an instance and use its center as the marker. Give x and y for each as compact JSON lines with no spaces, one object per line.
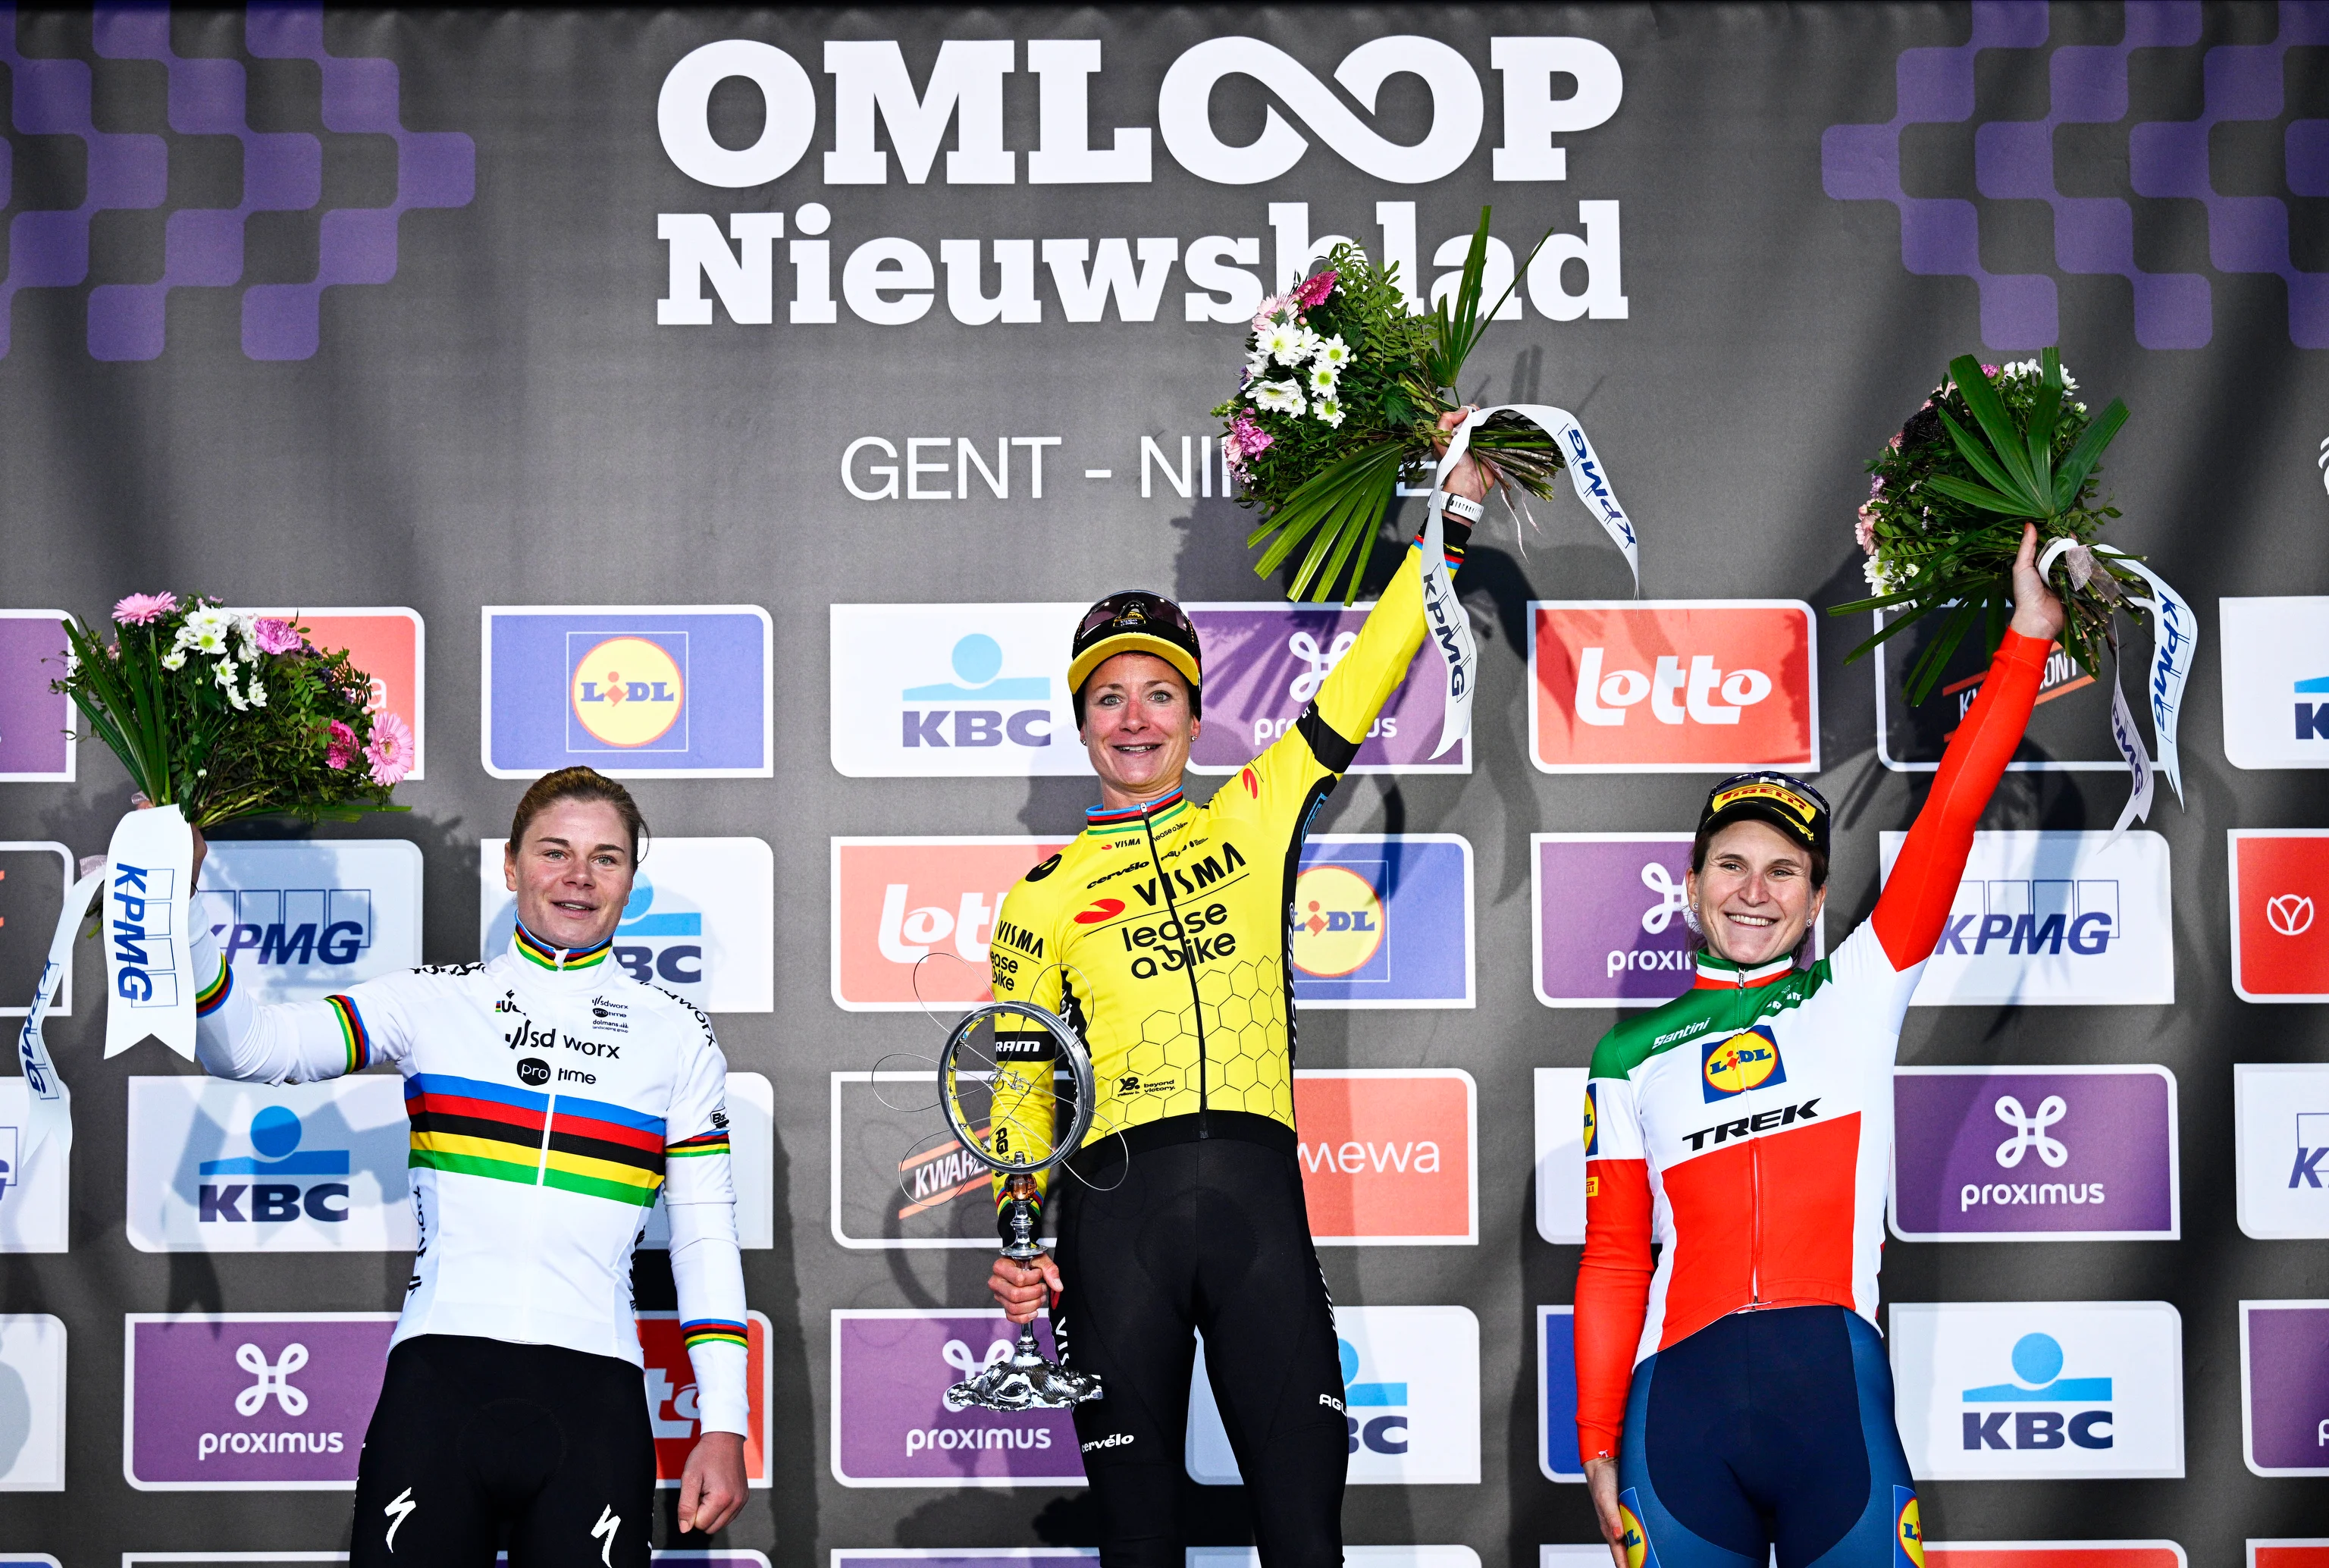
{"x":1677,"y":685}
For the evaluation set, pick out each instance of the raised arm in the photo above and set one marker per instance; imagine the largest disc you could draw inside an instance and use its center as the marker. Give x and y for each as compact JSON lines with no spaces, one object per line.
{"x":289,"y":1042}
{"x":1915,"y":905}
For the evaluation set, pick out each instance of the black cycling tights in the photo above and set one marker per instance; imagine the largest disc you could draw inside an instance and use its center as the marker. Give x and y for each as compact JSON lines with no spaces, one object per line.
{"x":1209,"y":1236}
{"x":473,"y":1435}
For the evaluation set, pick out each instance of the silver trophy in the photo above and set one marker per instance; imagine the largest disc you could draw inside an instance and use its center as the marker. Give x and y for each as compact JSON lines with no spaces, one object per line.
{"x":1025,"y":1381}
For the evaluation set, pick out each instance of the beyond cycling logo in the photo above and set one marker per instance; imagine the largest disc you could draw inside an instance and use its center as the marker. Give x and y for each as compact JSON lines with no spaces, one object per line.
{"x":203,"y":247}
{"x":2097,"y":236}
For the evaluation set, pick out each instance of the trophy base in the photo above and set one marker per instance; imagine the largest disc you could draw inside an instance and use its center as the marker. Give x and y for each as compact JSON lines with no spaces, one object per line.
{"x":1025,"y":1382}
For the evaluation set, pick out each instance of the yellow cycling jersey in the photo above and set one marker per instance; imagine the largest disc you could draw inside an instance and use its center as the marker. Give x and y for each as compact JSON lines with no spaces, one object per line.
{"x":1162,"y":933}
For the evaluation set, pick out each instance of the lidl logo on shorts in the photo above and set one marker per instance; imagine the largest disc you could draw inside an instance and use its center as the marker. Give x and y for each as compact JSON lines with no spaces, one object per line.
{"x":1739,"y":1063}
{"x":32,"y":1360}
{"x":1410,"y":1393}
{"x":681,"y":691}
{"x":2039,"y":1390}
{"x":1639,"y":1553}
{"x":1383,"y":920}
{"x":36,"y":745}
{"x":1908,"y":1530}
{"x":628,"y":691}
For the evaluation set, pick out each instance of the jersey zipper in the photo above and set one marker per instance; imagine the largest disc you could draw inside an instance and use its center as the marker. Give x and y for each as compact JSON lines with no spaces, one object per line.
{"x":1189,"y":967}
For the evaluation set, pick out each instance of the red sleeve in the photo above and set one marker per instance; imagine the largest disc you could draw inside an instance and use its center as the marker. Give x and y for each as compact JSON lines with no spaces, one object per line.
{"x":1915,"y":906}
{"x":1613,"y":1296}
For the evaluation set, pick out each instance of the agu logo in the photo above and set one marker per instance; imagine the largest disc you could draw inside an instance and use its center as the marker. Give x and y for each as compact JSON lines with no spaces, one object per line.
{"x":1908,"y":1530}
{"x":630,"y":691}
{"x":1746,"y":1060}
{"x":1338,"y":921}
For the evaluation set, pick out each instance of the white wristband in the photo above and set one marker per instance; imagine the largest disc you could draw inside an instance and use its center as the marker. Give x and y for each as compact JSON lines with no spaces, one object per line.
{"x":1463,"y":506}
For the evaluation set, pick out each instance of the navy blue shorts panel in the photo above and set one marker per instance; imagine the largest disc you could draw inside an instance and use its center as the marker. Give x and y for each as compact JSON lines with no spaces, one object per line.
{"x":1764,"y":1431}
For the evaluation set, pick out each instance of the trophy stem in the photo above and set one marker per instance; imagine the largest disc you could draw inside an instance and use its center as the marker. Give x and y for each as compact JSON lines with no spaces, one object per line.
{"x":1025,"y":1381}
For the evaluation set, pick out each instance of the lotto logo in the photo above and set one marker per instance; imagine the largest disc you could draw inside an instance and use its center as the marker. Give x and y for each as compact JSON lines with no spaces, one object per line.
{"x":1673,"y":687}
{"x":913,"y":917}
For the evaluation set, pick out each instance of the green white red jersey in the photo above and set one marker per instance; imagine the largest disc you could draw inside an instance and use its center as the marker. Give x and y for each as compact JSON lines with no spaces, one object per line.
{"x":1745,"y":1129}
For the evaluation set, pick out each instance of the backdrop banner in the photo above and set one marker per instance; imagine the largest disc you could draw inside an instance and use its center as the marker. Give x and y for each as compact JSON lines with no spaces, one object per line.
{"x":746,"y":403}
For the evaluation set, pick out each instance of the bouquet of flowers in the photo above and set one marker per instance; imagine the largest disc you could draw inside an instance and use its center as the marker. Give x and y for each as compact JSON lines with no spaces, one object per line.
{"x":1342,"y":394}
{"x":1993,"y":448}
{"x":226,"y":716}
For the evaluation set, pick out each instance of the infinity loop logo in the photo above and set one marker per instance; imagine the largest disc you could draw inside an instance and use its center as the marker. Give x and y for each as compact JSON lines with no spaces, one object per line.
{"x":1659,"y":881}
{"x":274,"y":1380}
{"x":2030,"y":1131}
{"x":959,"y":1355}
{"x":1304,"y":647}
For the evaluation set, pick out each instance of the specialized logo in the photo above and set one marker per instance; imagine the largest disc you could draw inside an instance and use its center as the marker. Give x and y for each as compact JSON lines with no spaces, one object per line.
{"x":2038,"y":1380}
{"x":301,"y":920}
{"x":913,"y":917}
{"x":953,"y":691}
{"x":2054,"y":918}
{"x":2047,"y":1389}
{"x":609,"y":1523}
{"x":2090,"y":1153}
{"x":630,"y":691}
{"x":400,"y":1508}
{"x":1265,"y":663}
{"x":1338,"y":921}
{"x":1410,"y":1393}
{"x":2279,"y":887}
{"x":280,"y":173}
{"x":1739,"y":1063}
{"x":2107,"y":231}
{"x":680,"y":692}
{"x":1673,"y":685}
{"x":35,"y":722}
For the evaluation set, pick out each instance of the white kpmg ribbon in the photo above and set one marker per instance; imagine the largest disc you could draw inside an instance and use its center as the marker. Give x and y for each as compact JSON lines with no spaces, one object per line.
{"x":1445,"y":621}
{"x":147,"y":878}
{"x":2175,"y":638}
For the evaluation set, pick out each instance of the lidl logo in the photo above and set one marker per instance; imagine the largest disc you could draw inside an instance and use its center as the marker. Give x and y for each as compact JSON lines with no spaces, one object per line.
{"x":629,"y":692}
{"x":680,"y":691}
{"x":1675,"y":685}
{"x":2276,"y":676}
{"x":1338,"y":921}
{"x":1908,"y":1530}
{"x":1593,"y":1122}
{"x":1739,"y":1063}
{"x":1636,"y":1540}
{"x":2280,"y":891}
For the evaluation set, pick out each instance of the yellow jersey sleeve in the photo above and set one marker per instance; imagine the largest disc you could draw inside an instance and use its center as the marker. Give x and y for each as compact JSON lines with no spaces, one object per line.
{"x":1025,"y":967}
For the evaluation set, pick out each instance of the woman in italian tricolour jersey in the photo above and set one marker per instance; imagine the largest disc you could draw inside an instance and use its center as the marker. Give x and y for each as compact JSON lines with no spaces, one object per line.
{"x":1735,"y":1400}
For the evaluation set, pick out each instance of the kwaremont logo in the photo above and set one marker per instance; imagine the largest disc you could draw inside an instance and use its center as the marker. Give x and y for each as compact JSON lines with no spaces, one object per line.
{"x":1546,"y":87}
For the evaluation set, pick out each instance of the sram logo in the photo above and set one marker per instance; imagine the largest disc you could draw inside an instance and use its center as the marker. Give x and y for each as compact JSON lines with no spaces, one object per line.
{"x":1672,"y":685}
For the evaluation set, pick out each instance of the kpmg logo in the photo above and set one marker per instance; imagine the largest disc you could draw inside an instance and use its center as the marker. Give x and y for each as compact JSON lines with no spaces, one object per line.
{"x":222,"y":1166}
{"x":1383,"y":920}
{"x":281,"y":171}
{"x":682,"y":691}
{"x":2279,"y":887}
{"x":701,"y":922}
{"x":2025,"y":1391}
{"x":251,"y":1400}
{"x":891,"y":1424}
{"x":301,"y":919}
{"x":2284,"y":1386}
{"x":2087,"y":1154}
{"x":953,"y":691}
{"x":1265,"y":663}
{"x":1409,"y":1394}
{"x":2275,"y":681}
{"x":2165,"y":155}
{"x":1674,"y":686}
{"x":2281,"y":1119}
{"x":36,"y":724}
{"x":2055,"y":918}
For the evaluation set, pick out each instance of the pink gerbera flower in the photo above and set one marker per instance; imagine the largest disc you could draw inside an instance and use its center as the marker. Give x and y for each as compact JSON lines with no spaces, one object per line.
{"x":343,"y":748}
{"x":274,"y":636}
{"x":391,"y":751}
{"x":1314,"y":290}
{"x":141,"y":608}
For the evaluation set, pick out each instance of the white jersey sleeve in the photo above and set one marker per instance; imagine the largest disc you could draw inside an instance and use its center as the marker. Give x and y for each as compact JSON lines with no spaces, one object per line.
{"x":706,"y":1264}
{"x":296,"y":1042}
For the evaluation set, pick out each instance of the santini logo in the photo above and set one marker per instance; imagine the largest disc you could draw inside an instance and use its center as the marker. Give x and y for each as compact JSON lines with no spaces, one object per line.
{"x":2037,"y":1361}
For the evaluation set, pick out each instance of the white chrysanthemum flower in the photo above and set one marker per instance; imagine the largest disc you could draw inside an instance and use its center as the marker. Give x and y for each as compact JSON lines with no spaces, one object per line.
{"x":256,"y":696}
{"x":1329,"y":410}
{"x":1278,"y":397}
{"x":1282,"y":343}
{"x":226,"y":672}
{"x":72,"y":664}
{"x":1320,"y":378}
{"x":176,"y":660}
{"x":2069,"y":382}
{"x":1331,"y":353}
{"x":1873,"y":570}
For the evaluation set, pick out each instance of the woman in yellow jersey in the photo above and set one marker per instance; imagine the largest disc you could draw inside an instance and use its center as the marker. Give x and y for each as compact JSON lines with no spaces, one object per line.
{"x":1162,"y":935}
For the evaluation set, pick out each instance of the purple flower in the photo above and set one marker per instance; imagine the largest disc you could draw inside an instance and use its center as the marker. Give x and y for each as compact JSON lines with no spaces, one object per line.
{"x":391,"y":751}
{"x":274,"y":637}
{"x":343,"y":749}
{"x":143,"y":609}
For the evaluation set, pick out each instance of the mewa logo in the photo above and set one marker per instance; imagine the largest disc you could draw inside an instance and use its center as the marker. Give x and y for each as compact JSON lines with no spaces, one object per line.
{"x":1675,"y":685}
